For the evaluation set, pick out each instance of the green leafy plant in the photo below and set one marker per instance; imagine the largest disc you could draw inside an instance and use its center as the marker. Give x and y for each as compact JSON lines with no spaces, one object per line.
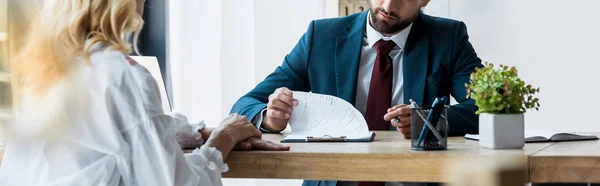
{"x":501,"y":91}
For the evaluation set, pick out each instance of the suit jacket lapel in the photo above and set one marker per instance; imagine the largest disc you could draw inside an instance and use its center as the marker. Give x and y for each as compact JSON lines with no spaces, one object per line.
{"x":416,"y":60}
{"x":347,"y":58}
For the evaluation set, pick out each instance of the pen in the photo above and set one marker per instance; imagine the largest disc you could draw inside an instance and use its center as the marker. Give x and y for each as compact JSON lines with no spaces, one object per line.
{"x":432,"y":117}
{"x":413,"y":103}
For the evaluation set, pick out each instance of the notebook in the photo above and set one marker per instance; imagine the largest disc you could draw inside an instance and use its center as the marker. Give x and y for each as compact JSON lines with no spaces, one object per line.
{"x":151,"y":63}
{"x":540,"y":136}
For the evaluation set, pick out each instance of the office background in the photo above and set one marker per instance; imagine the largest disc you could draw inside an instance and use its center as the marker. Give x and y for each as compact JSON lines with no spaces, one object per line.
{"x":553,"y":44}
{"x":212,"y":52}
{"x":218,"y":50}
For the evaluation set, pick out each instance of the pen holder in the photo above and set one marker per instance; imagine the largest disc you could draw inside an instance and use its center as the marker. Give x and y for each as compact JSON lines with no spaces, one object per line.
{"x":426,"y":134}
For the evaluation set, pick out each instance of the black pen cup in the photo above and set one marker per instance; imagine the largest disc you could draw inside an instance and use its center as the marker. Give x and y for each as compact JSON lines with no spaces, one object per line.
{"x":429,"y":128}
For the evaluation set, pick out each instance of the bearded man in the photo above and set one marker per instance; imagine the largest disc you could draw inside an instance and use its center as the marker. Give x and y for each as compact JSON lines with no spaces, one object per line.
{"x":376,"y":60}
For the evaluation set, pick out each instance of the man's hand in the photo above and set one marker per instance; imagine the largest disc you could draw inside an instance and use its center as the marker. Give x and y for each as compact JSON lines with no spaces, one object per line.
{"x":279,"y":109}
{"x":260,"y":144}
{"x":403,"y":125}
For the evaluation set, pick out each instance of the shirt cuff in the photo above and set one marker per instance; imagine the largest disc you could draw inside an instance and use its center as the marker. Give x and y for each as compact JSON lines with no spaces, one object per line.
{"x":258,"y":120}
{"x":213,"y":159}
{"x":186,"y":133}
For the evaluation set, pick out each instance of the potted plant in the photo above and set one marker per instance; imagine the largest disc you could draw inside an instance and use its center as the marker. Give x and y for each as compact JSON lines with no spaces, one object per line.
{"x":502,"y":98}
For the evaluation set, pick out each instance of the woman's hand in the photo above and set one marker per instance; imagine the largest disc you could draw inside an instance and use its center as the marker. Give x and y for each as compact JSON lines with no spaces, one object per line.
{"x":231,"y":131}
{"x":206,"y":132}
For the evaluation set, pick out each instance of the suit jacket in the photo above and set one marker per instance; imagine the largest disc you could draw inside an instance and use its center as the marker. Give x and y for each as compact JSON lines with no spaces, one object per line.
{"x":438,"y":61}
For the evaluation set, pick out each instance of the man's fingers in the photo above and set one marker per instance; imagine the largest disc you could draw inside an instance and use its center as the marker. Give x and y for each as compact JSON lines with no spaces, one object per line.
{"x":401,"y":124}
{"x":285,"y":95}
{"x":285,"y":90}
{"x":405,"y":120}
{"x":407,"y":136}
{"x":396,"y":107}
{"x":404,"y":130}
{"x":280,"y":105}
{"x":400,"y":112}
{"x":284,"y":99}
{"x":278,"y":114}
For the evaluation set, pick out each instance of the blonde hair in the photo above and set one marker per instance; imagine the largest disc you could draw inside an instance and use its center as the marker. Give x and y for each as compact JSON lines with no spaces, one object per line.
{"x":64,"y":32}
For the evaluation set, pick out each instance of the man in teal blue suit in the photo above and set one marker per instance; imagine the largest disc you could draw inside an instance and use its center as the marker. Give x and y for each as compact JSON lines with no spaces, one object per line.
{"x":376,"y":60}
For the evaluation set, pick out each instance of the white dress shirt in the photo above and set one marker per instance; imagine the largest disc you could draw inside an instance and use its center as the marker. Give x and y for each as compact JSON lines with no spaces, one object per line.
{"x":103,"y":124}
{"x":365,"y":70}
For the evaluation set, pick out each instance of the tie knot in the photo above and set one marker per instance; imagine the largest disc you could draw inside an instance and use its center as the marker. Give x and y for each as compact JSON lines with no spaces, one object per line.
{"x":384,"y":47}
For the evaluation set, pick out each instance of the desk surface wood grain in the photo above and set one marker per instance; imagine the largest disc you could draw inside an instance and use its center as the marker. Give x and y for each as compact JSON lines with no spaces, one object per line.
{"x":567,"y":162}
{"x":388,"y":158}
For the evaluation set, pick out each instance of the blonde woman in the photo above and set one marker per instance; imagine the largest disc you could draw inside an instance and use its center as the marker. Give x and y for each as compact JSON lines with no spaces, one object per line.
{"x":88,"y":115}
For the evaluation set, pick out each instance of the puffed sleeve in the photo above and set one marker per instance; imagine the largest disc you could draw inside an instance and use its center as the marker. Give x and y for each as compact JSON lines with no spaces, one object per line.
{"x":156,"y":139}
{"x":187,"y":133}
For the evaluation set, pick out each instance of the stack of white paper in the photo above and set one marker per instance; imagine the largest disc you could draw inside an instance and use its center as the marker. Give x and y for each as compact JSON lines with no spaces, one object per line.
{"x":319,"y":115}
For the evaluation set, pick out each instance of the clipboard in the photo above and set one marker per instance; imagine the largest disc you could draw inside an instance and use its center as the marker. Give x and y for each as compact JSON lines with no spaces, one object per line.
{"x":328,"y":138}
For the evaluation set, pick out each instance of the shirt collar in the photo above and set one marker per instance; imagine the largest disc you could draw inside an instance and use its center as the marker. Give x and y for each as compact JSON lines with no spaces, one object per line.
{"x":373,"y":35}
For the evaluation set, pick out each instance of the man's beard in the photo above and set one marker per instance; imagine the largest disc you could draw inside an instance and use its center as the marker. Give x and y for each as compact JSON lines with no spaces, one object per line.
{"x":391,"y":27}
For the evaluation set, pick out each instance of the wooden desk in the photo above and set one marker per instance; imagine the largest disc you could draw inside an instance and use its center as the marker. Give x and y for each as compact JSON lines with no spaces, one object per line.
{"x":389,"y":158}
{"x":567,"y":162}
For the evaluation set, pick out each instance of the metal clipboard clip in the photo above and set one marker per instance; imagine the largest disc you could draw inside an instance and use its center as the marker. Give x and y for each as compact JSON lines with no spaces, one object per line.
{"x":326,"y":138}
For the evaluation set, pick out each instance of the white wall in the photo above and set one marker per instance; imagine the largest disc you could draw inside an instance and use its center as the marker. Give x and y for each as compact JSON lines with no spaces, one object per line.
{"x":238,"y":52}
{"x":220,"y":53}
{"x":554,"y":44}
{"x":194,"y":39}
{"x":279,"y":25}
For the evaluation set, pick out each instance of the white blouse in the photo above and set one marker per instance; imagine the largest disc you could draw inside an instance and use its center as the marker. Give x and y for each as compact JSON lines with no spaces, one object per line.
{"x":103,"y":124}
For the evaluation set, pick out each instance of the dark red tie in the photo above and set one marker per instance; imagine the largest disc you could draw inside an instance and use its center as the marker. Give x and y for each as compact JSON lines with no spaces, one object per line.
{"x":380,"y":92}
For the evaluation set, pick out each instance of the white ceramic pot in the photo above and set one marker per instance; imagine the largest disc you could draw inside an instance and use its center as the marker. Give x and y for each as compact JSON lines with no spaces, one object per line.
{"x":501,"y":131}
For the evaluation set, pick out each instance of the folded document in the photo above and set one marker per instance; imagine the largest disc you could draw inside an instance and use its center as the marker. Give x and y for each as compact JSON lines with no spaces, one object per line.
{"x":321,"y":117}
